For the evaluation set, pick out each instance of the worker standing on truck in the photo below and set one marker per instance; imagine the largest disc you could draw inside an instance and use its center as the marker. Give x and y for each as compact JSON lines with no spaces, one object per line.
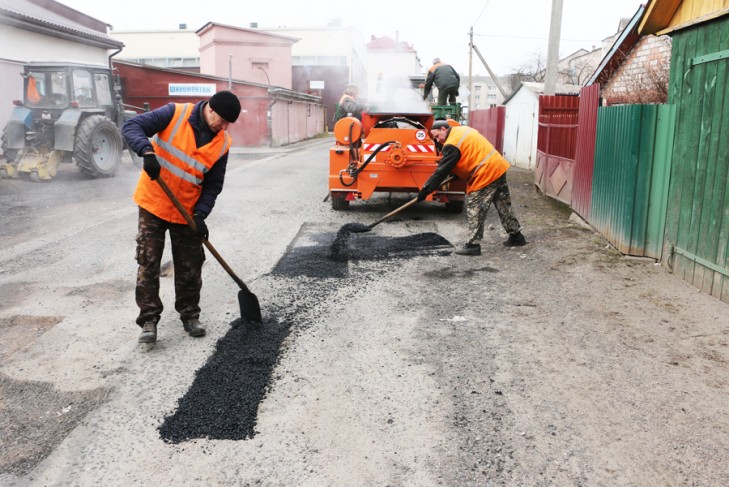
{"x":349,"y":105}
{"x":446,"y":79}
{"x":470,"y":156}
{"x":189,"y":151}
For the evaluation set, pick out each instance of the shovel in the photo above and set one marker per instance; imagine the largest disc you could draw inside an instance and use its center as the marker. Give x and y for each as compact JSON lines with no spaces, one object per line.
{"x":250,"y":310}
{"x":361,"y":228}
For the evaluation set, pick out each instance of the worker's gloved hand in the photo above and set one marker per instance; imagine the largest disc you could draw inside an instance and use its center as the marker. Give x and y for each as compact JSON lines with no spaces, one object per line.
{"x":201,"y":229}
{"x":151,"y":165}
{"x":423,"y":193}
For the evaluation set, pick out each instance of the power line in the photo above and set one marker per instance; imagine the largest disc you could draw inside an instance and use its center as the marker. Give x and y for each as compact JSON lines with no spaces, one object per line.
{"x":530,"y":38}
{"x":482,"y":10}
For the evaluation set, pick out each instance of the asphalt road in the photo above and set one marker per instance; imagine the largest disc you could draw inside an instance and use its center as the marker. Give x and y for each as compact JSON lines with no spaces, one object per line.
{"x":390,"y":362}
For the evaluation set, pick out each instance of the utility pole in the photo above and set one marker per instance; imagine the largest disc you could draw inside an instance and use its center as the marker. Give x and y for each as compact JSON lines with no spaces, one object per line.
{"x":555,"y":26}
{"x":470,"y":74}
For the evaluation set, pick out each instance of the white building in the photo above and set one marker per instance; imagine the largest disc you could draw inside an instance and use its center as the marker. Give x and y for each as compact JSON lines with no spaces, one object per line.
{"x":522,"y":122}
{"x":45,"y":30}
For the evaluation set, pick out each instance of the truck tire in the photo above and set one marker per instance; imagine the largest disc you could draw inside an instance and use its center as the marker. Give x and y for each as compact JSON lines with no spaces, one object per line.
{"x":98,"y":147}
{"x":339,"y":203}
{"x":9,"y":154}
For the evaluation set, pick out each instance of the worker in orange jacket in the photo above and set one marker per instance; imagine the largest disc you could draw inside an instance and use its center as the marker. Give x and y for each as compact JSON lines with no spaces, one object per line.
{"x":471,"y":157}
{"x":188,"y":149}
{"x":349,"y":105}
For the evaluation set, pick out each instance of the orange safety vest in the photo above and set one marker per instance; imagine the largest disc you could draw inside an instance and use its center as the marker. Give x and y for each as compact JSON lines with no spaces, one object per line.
{"x":344,"y":98}
{"x":33,"y":95}
{"x":480,"y":163}
{"x":183,"y":166}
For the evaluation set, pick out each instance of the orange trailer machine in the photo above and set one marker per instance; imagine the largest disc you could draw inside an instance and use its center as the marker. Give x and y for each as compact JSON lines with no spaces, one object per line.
{"x":386,"y":153}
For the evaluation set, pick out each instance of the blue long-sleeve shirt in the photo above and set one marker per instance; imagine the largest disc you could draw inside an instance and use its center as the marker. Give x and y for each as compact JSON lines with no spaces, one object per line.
{"x":139,"y":129}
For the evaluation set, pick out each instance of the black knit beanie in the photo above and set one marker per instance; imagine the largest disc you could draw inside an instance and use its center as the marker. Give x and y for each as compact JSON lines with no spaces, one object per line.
{"x":225,"y":104}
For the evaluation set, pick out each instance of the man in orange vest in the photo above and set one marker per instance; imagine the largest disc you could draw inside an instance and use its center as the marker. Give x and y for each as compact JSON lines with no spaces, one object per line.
{"x":470,"y":156}
{"x":349,"y":104}
{"x":188,"y":149}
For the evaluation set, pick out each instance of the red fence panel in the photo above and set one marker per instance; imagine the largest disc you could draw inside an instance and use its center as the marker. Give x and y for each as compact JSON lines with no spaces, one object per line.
{"x":585,"y":153}
{"x":490,"y":122}
{"x":556,"y":145}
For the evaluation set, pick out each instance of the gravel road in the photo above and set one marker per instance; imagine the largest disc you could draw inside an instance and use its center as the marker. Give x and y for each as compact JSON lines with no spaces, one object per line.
{"x":383,"y":359}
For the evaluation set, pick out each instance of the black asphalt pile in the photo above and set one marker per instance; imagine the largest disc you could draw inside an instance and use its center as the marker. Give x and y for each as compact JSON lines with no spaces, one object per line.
{"x":339,"y":246}
{"x":373,"y":247}
{"x":353,"y":243}
{"x":222,"y":402}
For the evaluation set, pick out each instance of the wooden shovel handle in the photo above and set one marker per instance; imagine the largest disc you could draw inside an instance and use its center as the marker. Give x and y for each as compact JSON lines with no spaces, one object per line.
{"x":207,"y":244}
{"x":406,"y":205}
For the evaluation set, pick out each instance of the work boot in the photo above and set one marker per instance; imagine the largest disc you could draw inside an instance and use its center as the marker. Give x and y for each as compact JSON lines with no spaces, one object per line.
{"x":193,"y":328}
{"x":149,"y":333}
{"x":469,"y":249}
{"x":515,"y":240}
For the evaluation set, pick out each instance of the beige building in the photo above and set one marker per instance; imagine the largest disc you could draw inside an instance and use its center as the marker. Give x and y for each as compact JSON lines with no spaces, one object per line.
{"x":578,"y":67}
{"x":485,"y":92}
{"x":161,"y":48}
{"x":394,"y":73}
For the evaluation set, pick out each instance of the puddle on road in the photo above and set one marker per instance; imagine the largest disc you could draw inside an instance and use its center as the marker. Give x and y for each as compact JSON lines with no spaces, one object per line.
{"x":222,"y":402}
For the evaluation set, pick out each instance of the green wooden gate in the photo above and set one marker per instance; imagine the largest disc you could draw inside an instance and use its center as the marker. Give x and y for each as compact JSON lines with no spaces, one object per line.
{"x":697,"y":226}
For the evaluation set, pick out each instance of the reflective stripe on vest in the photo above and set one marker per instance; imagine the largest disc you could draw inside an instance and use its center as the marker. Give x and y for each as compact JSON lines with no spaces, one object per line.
{"x":184,"y":166}
{"x":185,"y":158}
{"x":488,"y":156}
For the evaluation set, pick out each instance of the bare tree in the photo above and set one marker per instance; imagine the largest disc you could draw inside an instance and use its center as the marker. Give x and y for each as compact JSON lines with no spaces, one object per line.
{"x":533,"y":70}
{"x":576,"y":73}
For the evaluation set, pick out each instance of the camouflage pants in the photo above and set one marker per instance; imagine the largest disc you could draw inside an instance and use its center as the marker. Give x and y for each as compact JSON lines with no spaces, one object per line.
{"x":188,"y":257}
{"x":477,"y":206}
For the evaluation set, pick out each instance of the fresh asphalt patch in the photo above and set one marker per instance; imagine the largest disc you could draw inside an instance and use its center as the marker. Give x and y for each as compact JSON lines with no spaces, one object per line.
{"x":222,"y":402}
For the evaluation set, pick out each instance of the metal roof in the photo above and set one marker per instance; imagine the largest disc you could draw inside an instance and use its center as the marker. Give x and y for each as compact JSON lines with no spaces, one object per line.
{"x":619,"y":50}
{"x":35,"y":16}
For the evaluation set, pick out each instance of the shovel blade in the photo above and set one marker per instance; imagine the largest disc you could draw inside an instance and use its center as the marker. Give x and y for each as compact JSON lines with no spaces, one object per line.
{"x":250,"y":310}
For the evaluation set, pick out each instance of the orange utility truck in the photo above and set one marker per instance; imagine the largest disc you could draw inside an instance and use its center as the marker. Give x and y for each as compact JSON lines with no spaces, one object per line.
{"x":386,"y":153}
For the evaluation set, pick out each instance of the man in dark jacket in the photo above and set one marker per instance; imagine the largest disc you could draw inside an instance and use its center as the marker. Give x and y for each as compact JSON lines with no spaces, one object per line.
{"x":188,"y":150}
{"x":446,"y":79}
{"x":349,"y":104}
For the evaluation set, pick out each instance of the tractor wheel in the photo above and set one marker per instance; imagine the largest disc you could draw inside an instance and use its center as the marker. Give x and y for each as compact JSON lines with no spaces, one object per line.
{"x":98,"y":147}
{"x":454,"y":206}
{"x":339,"y":203}
{"x":10,"y":154}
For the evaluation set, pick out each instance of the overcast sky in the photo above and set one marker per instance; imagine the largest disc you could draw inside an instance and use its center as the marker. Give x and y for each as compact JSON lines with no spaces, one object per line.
{"x":508,"y":33}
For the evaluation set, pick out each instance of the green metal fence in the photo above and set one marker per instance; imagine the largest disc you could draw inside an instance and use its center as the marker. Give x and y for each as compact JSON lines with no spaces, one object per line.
{"x":631,"y":176}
